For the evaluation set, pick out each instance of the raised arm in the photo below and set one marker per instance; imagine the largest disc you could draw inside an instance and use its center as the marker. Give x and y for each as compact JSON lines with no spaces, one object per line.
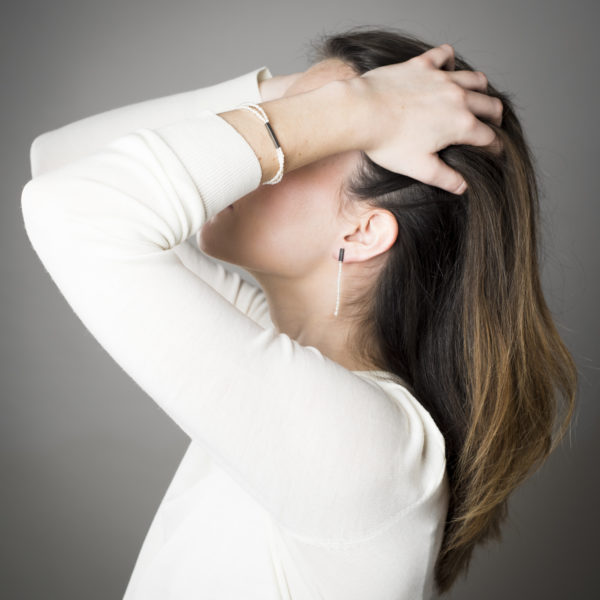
{"x":327,"y":452}
{"x":65,"y":144}
{"x":75,"y":140}
{"x":401,"y":115}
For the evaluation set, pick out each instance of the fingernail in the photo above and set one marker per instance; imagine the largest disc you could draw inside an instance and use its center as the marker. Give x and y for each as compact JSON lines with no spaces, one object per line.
{"x":461,"y":188}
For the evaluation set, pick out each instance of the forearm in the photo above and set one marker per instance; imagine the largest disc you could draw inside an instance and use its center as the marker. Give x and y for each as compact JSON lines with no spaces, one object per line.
{"x":70,"y":142}
{"x":309,"y":126}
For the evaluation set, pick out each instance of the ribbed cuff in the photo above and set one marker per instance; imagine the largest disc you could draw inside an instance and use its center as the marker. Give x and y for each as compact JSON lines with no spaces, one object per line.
{"x":261,"y":74}
{"x":226,"y":95}
{"x":256,"y":77}
{"x":220,"y":161}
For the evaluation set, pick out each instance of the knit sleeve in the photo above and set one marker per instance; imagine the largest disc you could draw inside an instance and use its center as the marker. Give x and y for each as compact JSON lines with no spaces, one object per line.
{"x":65,"y":144}
{"x":325,"y":451}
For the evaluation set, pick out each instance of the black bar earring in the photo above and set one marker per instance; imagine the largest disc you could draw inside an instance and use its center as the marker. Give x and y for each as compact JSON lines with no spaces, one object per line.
{"x":337,"y":301}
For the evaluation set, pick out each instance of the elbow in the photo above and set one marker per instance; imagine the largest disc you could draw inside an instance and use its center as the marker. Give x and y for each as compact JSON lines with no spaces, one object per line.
{"x":43,"y":183}
{"x":41,"y":157}
{"x":34,"y":207}
{"x":37,"y":155}
{"x":29,"y":194}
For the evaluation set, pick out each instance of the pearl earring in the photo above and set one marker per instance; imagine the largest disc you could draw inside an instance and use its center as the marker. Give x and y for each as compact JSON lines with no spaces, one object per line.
{"x":339,"y":277}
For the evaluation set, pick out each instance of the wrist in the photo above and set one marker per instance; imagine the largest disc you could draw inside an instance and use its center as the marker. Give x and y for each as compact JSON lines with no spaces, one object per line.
{"x":314,"y":124}
{"x":354,"y":103}
{"x":309,"y":126}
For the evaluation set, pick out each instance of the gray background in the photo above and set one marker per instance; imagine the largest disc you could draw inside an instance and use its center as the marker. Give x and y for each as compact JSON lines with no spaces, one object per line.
{"x":86,"y":456}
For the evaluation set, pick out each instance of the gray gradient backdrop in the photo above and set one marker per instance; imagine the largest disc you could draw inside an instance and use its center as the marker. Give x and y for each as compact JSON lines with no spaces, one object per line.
{"x":86,"y":456}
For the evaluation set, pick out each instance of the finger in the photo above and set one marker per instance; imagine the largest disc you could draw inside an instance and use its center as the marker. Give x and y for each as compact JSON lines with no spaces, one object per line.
{"x":472,"y":80}
{"x":441,"y":55}
{"x":485,"y":106}
{"x":496,"y":146}
{"x":480,"y":134}
{"x":442,"y":176}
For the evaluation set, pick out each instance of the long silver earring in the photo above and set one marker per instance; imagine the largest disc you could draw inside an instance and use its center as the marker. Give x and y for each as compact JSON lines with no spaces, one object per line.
{"x":339,"y":279}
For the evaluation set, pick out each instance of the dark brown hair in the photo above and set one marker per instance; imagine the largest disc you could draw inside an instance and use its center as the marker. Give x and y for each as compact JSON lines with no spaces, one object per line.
{"x":458,"y":311}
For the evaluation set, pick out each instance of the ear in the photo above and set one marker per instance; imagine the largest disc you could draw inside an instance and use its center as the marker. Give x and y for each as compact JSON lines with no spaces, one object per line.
{"x":374,"y":233}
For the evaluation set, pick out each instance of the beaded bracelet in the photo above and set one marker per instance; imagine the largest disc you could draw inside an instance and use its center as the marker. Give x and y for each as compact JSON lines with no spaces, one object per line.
{"x":260,"y":113}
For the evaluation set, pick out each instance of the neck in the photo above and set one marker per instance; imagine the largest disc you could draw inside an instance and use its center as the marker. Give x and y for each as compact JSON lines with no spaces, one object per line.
{"x":303,"y":309}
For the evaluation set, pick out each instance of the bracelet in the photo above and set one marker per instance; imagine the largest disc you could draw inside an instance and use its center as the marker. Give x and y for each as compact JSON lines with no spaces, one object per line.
{"x":260,"y":113}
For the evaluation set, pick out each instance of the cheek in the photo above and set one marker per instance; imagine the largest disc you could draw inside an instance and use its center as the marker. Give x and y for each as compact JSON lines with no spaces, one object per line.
{"x":284,"y":228}
{"x":281,"y":231}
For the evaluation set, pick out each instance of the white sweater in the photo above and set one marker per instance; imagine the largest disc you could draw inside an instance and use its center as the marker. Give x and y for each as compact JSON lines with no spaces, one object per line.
{"x":302,"y":479}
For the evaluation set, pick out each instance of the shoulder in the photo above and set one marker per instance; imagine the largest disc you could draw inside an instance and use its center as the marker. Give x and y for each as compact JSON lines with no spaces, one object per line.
{"x":420,"y":455}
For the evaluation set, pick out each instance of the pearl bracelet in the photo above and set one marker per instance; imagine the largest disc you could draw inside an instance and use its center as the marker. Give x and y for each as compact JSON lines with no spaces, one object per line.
{"x":260,"y":113}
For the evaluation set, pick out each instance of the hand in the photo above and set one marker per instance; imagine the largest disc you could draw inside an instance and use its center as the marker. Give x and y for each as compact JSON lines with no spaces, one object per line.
{"x":276,"y":86}
{"x":414,"y":109}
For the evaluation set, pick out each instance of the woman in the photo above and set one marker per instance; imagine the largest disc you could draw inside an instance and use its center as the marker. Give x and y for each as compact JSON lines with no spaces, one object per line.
{"x":355,"y":431}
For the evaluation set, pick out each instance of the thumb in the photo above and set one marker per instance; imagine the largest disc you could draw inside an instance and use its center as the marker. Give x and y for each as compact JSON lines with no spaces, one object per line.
{"x":443,"y":176}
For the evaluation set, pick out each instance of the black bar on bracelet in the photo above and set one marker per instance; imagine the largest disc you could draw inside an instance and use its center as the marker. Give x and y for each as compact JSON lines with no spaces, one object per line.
{"x":273,"y":136}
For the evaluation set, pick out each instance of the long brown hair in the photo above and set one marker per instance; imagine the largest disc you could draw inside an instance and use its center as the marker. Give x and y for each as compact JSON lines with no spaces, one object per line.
{"x":458,"y":311}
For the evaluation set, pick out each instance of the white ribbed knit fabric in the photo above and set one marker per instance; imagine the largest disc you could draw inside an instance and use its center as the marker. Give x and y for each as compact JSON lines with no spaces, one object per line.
{"x":302,"y":479}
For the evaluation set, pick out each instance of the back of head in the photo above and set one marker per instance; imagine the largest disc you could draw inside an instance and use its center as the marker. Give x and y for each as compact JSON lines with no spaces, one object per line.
{"x":458,"y":310}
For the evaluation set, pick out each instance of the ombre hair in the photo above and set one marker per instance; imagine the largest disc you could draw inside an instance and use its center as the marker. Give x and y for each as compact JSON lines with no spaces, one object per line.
{"x":458,"y":312}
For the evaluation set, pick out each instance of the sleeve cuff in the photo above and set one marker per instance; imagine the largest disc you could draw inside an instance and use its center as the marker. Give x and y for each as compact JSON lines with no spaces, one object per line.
{"x":220,"y":161}
{"x":226,"y":95}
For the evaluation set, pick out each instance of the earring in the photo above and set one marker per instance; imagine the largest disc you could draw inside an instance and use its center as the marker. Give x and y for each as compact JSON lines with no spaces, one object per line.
{"x":339,"y":277}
